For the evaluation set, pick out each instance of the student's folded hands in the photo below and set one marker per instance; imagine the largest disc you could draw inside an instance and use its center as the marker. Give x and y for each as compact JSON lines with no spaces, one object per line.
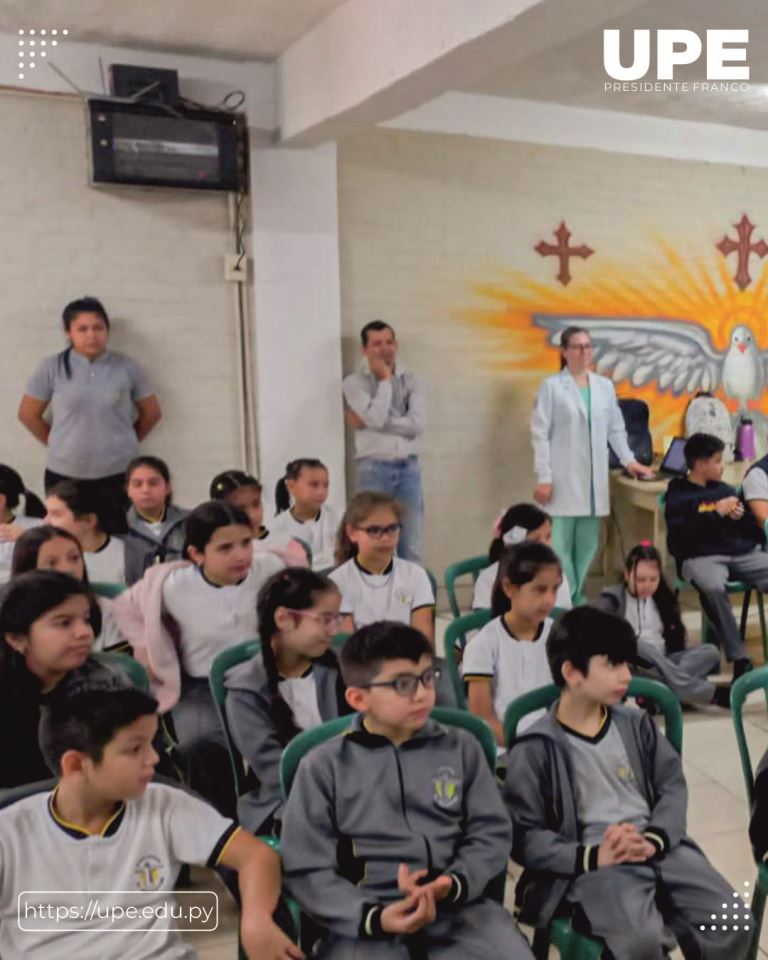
{"x":413,"y":882}
{"x":410,"y":914}
{"x":623,"y":843}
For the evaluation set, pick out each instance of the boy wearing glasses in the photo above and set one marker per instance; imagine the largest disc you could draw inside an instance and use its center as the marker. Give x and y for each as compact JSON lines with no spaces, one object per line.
{"x":393,"y":830}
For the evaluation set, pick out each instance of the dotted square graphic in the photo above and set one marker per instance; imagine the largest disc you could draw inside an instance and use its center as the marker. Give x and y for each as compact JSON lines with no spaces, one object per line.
{"x":34,"y":43}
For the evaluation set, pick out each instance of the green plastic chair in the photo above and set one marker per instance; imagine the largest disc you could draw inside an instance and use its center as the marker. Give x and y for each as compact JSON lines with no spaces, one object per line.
{"x":708,"y":634}
{"x":456,"y":635}
{"x":306,"y":741}
{"x":473,"y":566}
{"x":221,"y":665}
{"x":746,"y":684}
{"x":572,"y":945}
{"x":121,"y":661}
{"x":109,"y":590}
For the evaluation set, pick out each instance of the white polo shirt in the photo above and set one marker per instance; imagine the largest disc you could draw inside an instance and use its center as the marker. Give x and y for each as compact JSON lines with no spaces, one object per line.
{"x":513,"y":666}
{"x":107,"y":564}
{"x":213,"y":618}
{"x":392,"y":595}
{"x":319,"y":534}
{"x":141,"y":850}
{"x":481,"y":598}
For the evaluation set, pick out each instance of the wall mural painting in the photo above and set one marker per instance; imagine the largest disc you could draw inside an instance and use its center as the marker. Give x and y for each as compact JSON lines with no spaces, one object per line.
{"x":662,"y":332}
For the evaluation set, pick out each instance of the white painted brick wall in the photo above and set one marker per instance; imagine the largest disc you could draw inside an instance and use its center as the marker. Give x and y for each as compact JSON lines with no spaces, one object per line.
{"x":423,"y":217}
{"x":154,"y":257}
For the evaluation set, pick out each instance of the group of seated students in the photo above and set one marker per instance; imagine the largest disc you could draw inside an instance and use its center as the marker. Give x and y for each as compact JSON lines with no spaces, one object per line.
{"x":391,"y":833}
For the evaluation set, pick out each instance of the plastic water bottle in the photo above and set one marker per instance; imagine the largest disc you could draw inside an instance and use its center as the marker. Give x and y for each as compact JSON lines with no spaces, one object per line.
{"x":746,"y":439}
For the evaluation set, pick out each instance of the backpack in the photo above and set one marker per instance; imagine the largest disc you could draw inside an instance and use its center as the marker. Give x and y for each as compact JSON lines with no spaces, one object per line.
{"x":635,"y":413}
{"x":707,"y":414}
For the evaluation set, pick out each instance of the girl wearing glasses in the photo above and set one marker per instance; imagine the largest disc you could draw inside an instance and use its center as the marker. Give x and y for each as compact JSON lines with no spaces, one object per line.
{"x":292,"y":684}
{"x":575,"y":417}
{"x":376,"y":584}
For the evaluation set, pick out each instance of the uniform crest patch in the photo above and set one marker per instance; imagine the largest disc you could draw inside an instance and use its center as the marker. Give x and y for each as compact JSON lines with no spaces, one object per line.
{"x":149,"y":873}
{"x":447,"y":788}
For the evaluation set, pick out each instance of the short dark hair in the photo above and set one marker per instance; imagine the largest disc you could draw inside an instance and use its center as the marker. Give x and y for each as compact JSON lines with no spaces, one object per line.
{"x":701,"y":446}
{"x":377,"y":326}
{"x":585,"y":632}
{"x":88,"y":721}
{"x":368,"y":648}
{"x":230,"y":480}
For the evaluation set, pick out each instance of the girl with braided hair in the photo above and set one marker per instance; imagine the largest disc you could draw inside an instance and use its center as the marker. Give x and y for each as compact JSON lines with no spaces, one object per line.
{"x":292,"y":684}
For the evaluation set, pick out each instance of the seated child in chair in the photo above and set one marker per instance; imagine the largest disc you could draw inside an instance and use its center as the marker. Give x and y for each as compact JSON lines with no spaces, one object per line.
{"x":393,"y":830}
{"x":598,"y":802}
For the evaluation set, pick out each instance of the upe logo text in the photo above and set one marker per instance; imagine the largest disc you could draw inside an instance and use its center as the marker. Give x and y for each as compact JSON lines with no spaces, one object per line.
{"x":677,"y":48}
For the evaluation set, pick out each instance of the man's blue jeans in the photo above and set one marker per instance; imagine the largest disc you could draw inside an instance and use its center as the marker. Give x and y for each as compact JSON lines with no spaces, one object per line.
{"x":402,"y":480}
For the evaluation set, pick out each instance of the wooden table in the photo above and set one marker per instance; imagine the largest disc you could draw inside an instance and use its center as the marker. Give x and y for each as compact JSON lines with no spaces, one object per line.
{"x":635,"y":510}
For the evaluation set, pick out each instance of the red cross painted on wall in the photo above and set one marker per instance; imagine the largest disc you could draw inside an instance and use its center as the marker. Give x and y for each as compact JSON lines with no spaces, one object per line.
{"x":563,"y":252}
{"x":743,"y":248}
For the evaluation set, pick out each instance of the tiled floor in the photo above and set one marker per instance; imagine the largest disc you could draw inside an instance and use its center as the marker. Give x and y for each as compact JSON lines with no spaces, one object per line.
{"x":717,"y":811}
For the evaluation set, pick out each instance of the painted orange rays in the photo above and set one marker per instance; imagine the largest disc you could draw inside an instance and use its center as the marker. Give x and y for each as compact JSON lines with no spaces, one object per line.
{"x":674,"y":287}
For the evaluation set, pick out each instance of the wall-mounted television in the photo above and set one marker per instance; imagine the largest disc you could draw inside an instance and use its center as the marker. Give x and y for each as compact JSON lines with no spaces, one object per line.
{"x":153,"y":145}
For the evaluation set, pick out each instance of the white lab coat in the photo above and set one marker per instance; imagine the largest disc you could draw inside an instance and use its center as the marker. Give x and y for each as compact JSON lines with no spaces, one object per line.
{"x":562,"y":448}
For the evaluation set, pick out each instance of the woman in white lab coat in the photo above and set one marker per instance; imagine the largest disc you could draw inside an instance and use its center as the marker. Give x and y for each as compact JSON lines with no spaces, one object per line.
{"x":575,"y":417}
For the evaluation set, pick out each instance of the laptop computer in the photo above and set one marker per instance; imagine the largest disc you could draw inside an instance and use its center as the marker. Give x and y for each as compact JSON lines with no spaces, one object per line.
{"x":673,"y":464}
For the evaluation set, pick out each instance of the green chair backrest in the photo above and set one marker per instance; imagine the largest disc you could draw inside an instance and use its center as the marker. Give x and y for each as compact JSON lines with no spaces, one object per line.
{"x":456,"y":632}
{"x":473,"y":566}
{"x":638,"y":687}
{"x":432,"y":582}
{"x":746,"y":684}
{"x":223,"y":663}
{"x":307,"y":740}
{"x":110,"y":590}
{"x":121,"y":661}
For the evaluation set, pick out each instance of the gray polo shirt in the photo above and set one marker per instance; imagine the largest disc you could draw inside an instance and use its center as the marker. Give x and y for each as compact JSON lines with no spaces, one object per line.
{"x":93,"y":412}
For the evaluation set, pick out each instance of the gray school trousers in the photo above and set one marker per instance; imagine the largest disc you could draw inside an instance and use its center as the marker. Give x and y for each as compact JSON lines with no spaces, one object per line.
{"x":629,"y":904}
{"x":482,"y":930}
{"x":709,"y":576}
{"x":683,"y":672}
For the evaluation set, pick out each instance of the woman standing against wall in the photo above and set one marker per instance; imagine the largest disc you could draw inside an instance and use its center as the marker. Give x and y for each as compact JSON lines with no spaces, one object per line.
{"x":575,"y":417}
{"x":101,"y":403}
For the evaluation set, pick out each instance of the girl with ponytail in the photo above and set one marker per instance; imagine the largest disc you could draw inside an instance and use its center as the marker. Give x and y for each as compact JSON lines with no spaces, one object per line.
{"x":19,"y":510}
{"x":292,"y":684}
{"x":302,"y":512}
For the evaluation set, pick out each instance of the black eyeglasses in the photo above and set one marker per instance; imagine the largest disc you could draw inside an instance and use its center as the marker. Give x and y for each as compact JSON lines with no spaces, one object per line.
{"x":376,"y":533}
{"x":407,"y":684}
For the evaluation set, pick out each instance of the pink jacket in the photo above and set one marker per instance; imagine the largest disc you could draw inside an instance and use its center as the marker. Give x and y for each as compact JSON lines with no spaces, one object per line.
{"x":153,"y":635}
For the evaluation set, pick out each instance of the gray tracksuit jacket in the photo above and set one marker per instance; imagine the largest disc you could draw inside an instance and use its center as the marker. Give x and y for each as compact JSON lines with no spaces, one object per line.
{"x":248,"y":706}
{"x":359,"y":806}
{"x":541,"y":799}
{"x":143,"y":547}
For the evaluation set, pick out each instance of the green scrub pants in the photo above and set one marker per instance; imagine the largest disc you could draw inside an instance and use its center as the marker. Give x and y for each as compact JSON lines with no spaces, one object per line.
{"x":575,"y":540}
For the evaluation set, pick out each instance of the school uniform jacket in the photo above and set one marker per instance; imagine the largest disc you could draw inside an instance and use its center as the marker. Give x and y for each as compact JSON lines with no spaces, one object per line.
{"x":360,"y":805}
{"x":248,"y":706}
{"x":143,"y":548}
{"x":571,"y":452}
{"x":540,"y":795}
{"x":614,"y":600}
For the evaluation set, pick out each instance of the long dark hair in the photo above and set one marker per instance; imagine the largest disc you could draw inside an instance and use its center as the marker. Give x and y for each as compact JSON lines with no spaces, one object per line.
{"x":520,"y":564}
{"x":27,"y":549}
{"x":73,"y":310}
{"x":525,"y":515}
{"x":206,"y":519}
{"x":25,"y":599}
{"x":297,"y":589}
{"x":89,"y":496}
{"x":13,"y":489}
{"x":565,"y":339}
{"x":293,"y":472}
{"x":664,"y":598}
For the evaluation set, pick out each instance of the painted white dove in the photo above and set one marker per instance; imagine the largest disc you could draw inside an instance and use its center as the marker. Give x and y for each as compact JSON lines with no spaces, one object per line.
{"x":675,"y":354}
{"x":743,"y":374}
